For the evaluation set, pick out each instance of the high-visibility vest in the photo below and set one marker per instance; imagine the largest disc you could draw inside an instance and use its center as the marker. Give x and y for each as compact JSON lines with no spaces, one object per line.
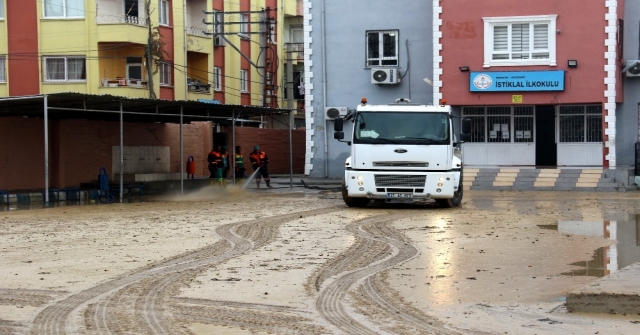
{"x":259,"y":157}
{"x":239,"y":161}
{"x":214,"y":158}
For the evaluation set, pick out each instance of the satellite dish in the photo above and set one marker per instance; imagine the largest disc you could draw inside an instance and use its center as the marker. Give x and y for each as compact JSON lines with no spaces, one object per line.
{"x":380,"y":76}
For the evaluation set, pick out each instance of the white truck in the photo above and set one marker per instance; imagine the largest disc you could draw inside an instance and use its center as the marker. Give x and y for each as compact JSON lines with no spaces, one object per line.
{"x":403,"y":152}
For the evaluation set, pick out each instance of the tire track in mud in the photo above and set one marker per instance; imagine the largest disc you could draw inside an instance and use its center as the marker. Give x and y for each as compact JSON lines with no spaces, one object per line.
{"x":267,"y":318}
{"x":154,"y":280}
{"x":354,"y":273}
{"x":24,"y":297}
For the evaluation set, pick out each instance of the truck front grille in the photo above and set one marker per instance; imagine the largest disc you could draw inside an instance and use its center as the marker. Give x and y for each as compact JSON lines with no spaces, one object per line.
{"x":392,"y":180}
{"x":401,"y":164}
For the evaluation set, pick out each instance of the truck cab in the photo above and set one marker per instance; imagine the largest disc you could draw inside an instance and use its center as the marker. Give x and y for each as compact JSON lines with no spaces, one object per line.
{"x":402,"y":152}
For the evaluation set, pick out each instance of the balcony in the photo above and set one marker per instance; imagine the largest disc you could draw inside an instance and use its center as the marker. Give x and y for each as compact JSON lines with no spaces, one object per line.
{"x":120,"y":82}
{"x":121,"y":21}
{"x":196,"y":86}
{"x":121,"y":12}
{"x":194,"y":15}
{"x":295,"y":52}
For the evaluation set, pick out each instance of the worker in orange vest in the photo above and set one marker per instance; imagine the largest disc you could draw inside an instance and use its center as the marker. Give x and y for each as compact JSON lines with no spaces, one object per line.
{"x":259,"y":160}
{"x":215,"y":166}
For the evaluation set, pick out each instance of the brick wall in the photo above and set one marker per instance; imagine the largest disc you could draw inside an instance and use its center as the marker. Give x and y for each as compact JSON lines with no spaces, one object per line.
{"x":79,"y":148}
{"x":275,"y":142}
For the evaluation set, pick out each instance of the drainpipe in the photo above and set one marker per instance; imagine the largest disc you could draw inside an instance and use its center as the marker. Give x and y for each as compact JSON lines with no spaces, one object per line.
{"x":184,"y":42}
{"x":324,"y":94}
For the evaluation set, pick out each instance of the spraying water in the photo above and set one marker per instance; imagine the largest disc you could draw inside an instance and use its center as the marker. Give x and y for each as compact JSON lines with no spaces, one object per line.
{"x":251,"y":177}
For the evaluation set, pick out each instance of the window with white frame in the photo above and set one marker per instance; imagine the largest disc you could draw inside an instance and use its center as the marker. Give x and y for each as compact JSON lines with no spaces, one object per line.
{"x":165,"y":73}
{"x":62,"y":68}
{"x":217,"y":78}
{"x":244,"y":81}
{"x":520,"y":40}
{"x":164,"y":12}
{"x":134,"y":70}
{"x":244,"y":25}
{"x":382,"y":48}
{"x":63,"y":8}
{"x":1,"y":9}
{"x":3,"y":69}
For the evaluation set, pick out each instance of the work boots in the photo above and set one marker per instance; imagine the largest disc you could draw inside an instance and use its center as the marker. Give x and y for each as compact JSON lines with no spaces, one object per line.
{"x":268,"y":183}
{"x":257,"y":184}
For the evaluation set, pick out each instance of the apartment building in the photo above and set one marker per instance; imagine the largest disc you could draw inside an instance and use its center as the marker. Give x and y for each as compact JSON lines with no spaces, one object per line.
{"x":356,"y":49}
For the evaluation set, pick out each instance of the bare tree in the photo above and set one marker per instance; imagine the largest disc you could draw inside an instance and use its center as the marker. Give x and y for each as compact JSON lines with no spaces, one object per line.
{"x":154,"y":52}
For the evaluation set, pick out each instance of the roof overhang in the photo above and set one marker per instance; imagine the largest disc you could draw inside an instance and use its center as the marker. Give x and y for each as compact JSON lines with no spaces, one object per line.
{"x":62,"y":106}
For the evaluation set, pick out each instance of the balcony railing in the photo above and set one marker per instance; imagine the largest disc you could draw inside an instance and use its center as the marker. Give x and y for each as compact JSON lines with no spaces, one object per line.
{"x":121,"y":81}
{"x":295,"y":51}
{"x":196,"y":31}
{"x":197,"y":86}
{"x":121,"y":19}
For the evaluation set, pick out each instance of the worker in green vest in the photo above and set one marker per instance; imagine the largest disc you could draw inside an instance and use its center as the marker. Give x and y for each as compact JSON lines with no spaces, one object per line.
{"x":239,"y":165}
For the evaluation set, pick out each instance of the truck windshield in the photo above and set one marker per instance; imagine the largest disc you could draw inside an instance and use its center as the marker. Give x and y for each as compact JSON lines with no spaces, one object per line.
{"x":405,"y":128}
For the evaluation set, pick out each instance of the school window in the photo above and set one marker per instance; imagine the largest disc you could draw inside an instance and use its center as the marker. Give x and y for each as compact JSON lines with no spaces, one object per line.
{"x":165,"y":74}
{"x":244,"y":25}
{"x":520,"y":40}
{"x":244,"y":81}
{"x":500,"y":124}
{"x":61,"y":68}
{"x":3,"y":69}
{"x":382,"y":48}
{"x":217,"y":79}
{"x":580,"y":124}
{"x":164,"y":12}
{"x":63,"y":8}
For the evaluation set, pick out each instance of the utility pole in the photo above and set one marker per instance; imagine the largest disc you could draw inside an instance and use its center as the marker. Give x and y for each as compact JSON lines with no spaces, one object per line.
{"x":147,"y":51}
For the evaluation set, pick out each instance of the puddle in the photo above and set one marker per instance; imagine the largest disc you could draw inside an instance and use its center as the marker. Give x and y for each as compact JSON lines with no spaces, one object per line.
{"x":624,"y":229}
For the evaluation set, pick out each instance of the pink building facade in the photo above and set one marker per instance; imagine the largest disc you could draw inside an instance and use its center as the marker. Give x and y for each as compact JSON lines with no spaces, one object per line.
{"x":540,"y":79}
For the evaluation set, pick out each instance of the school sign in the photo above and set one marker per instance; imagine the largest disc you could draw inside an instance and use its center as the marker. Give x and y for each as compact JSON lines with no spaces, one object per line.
{"x":522,"y":81}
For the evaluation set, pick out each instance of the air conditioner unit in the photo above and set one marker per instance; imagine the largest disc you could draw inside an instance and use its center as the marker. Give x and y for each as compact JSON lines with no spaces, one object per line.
{"x":633,"y":68}
{"x":331,"y":113}
{"x":218,"y":41}
{"x":382,"y":76}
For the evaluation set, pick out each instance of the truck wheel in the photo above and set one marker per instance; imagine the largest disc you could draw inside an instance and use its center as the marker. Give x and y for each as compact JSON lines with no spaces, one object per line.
{"x":452,"y":202}
{"x":352,"y":202}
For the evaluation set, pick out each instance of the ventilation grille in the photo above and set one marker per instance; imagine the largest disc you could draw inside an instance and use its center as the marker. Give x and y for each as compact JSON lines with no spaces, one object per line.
{"x":390,"y":180}
{"x":402,"y":164}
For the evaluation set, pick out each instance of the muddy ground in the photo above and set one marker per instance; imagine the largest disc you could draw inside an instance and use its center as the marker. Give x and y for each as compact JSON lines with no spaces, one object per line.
{"x":301,"y":262}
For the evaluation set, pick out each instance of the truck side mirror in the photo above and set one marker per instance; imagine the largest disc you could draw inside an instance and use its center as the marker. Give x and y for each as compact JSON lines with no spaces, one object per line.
{"x":338,"y":135}
{"x":466,"y":126}
{"x":338,"y":124}
{"x":465,"y":137}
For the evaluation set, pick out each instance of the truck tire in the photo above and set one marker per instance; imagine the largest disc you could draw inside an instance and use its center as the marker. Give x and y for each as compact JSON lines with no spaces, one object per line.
{"x":352,"y":202}
{"x":452,"y":202}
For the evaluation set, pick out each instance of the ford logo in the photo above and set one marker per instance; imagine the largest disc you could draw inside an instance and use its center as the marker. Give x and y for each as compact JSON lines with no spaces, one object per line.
{"x":400,"y":151}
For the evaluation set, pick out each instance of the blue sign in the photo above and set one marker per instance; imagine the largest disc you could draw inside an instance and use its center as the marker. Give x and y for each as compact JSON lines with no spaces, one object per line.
{"x":523,"y":81}
{"x":207,"y":101}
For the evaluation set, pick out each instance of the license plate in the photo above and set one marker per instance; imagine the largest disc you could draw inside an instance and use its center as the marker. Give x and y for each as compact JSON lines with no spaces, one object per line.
{"x":399,"y":195}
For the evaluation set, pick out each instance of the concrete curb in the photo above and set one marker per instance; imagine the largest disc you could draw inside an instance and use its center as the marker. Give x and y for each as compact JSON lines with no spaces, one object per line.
{"x":617,"y":293}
